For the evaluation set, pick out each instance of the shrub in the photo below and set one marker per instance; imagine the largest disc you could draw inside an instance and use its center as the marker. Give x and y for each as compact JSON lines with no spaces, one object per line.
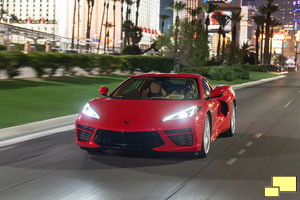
{"x":44,"y":63}
{"x":228,"y":73}
{"x":146,"y":64}
{"x":11,"y":61}
{"x":260,"y":68}
{"x":107,"y":63}
{"x":3,"y":47}
{"x":131,"y":50}
{"x":204,"y":71}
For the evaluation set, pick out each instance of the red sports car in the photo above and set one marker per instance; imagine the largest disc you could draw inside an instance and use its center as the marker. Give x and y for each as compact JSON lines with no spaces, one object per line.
{"x":160,"y":112}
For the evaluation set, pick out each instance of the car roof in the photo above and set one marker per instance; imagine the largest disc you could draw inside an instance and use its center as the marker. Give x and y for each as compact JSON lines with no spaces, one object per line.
{"x":176,"y":75}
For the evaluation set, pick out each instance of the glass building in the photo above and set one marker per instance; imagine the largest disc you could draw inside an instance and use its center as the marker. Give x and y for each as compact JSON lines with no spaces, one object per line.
{"x":170,"y":13}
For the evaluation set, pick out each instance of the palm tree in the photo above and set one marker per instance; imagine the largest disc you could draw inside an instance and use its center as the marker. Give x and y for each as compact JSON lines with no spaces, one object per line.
{"x":91,"y":4}
{"x":235,"y":18}
{"x":194,"y":13}
{"x":128,"y":22}
{"x":114,"y":25}
{"x":122,"y":22}
{"x":223,"y":21}
{"x":177,"y":7}
{"x":137,"y":12}
{"x":2,"y":10}
{"x":73,"y":26}
{"x":101,"y":25}
{"x":270,"y":8}
{"x":106,"y":24}
{"x":163,"y":18}
{"x":209,"y":8}
{"x":274,"y":23}
{"x":263,"y":11}
{"x":78,"y":23}
{"x":259,"y":20}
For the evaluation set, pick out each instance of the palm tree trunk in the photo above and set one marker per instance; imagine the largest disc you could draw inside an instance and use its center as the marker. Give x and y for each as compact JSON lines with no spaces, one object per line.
{"x":106,"y":24}
{"x":88,"y":29}
{"x":78,"y":24}
{"x":73,"y":26}
{"x":257,"y":45}
{"x":101,"y":26}
{"x":2,"y":9}
{"x":122,"y":22}
{"x":219,"y":46}
{"x":162,"y":26}
{"x":234,"y":34}
{"x":223,"y":45}
{"x":114,"y":37}
{"x":137,"y":12}
{"x":267,"y":41}
{"x":207,"y":22}
{"x":262,"y":43}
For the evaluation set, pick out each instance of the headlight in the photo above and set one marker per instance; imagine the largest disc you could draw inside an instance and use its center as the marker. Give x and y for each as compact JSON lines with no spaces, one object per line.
{"x":183,"y":114}
{"x":89,"y":111}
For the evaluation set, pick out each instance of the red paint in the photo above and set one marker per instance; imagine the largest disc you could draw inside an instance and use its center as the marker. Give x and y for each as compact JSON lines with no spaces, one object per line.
{"x":147,"y":115}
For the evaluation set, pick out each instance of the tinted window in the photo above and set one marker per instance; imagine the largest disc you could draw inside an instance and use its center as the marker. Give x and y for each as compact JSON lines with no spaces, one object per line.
{"x":166,"y":88}
{"x":206,"y":88}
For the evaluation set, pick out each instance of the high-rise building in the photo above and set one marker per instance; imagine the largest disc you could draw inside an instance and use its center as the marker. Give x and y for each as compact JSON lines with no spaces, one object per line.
{"x":163,"y":11}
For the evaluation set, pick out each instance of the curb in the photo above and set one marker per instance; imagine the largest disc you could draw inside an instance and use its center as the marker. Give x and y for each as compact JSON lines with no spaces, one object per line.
{"x":27,"y":129}
{"x":22,"y":133}
{"x":259,"y":82}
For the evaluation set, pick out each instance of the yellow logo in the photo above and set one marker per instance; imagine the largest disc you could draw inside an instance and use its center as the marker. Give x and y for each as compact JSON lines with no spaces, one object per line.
{"x":281,"y":184}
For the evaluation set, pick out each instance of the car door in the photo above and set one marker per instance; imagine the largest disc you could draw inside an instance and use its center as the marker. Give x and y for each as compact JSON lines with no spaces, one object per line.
{"x":213,"y":105}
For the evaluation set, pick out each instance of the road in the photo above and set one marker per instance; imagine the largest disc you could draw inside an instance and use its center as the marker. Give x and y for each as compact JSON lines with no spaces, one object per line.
{"x":237,"y":168}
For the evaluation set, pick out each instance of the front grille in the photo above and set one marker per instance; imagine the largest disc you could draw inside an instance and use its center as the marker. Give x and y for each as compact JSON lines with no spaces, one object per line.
{"x":83,"y":136}
{"x":128,"y":140}
{"x":186,"y":130}
{"x":183,"y":140}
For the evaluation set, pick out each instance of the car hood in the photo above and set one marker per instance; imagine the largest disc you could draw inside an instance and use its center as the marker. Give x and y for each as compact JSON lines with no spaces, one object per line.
{"x":136,"y":114}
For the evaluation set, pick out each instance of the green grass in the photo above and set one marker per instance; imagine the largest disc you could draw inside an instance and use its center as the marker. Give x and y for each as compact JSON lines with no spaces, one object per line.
{"x":24,"y":101}
{"x":254,"y":76}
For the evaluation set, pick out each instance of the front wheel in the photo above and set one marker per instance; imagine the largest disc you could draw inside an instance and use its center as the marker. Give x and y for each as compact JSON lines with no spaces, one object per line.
{"x":206,"y":139}
{"x":231,"y":131}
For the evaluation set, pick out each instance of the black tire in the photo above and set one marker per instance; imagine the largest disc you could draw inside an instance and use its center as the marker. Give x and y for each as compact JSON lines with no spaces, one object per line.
{"x":232,"y":129}
{"x":205,"y":147}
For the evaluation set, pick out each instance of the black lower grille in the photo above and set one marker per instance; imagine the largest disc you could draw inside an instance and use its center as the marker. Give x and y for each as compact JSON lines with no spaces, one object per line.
{"x":183,"y":140}
{"x":128,"y":140}
{"x":83,"y":136}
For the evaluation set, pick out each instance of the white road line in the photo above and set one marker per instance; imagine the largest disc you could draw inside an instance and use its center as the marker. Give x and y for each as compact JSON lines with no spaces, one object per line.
{"x":249,"y":144}
{"x":241,"y":152}
{"x":35,"y":136}
{"x":288,"y":104}
{"x":231,"y":161}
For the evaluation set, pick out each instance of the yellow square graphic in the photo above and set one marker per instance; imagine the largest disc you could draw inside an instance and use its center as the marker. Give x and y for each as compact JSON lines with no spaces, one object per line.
{"x":271,"y":191}
{"x":285,"y":183}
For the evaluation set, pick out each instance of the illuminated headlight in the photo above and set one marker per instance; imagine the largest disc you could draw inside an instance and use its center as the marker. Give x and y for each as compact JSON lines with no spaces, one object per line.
{"x":183,"y":114}
{"x":89,"y":111}
{"x":231,"y":90}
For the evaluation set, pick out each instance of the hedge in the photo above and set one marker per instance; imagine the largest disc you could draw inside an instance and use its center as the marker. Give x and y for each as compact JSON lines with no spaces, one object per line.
{"x":229,"y":73}
{"x":47,"y":63}
{"x":260,"y":68}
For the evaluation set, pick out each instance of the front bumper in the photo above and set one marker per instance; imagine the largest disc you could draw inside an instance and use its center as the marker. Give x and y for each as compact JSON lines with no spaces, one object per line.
{"x":171,"y":140}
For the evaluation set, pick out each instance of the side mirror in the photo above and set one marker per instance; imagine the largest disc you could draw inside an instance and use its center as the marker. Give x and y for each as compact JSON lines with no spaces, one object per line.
{"x":103,"y":91}
{"x":216,"y":93}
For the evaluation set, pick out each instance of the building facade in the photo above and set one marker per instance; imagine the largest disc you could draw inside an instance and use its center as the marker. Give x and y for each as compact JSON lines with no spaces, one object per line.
{"x":163,"y":11}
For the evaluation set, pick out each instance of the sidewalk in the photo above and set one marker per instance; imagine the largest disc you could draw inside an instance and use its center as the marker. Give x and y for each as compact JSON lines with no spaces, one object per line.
{"x":17,"y":134}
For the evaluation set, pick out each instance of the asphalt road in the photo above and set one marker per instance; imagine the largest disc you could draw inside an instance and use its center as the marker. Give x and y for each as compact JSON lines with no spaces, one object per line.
{"x":237,"y":168}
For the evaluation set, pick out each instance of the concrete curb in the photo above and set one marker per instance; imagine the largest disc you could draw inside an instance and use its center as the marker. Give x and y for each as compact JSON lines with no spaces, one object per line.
{"x":27,"y":129}
{"x":22,"y":133}
{"x":253,"y":83}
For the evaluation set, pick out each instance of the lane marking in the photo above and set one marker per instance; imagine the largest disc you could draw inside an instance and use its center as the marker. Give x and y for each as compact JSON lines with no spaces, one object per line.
{"x":249,"y":144}
{"x":241,"y":152}
{"x":35,"y":135}
{"x":288,"y":104}
{"x":231,"y":161}
{"x":257,"y":135}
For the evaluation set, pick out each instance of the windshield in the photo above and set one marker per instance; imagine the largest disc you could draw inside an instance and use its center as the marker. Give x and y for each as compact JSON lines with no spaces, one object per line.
{"x":158,"y":88}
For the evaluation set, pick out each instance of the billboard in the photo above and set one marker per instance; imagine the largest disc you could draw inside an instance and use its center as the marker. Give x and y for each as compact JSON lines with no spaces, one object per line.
{"x":219,"y":1}
{"x":213,"y":22}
